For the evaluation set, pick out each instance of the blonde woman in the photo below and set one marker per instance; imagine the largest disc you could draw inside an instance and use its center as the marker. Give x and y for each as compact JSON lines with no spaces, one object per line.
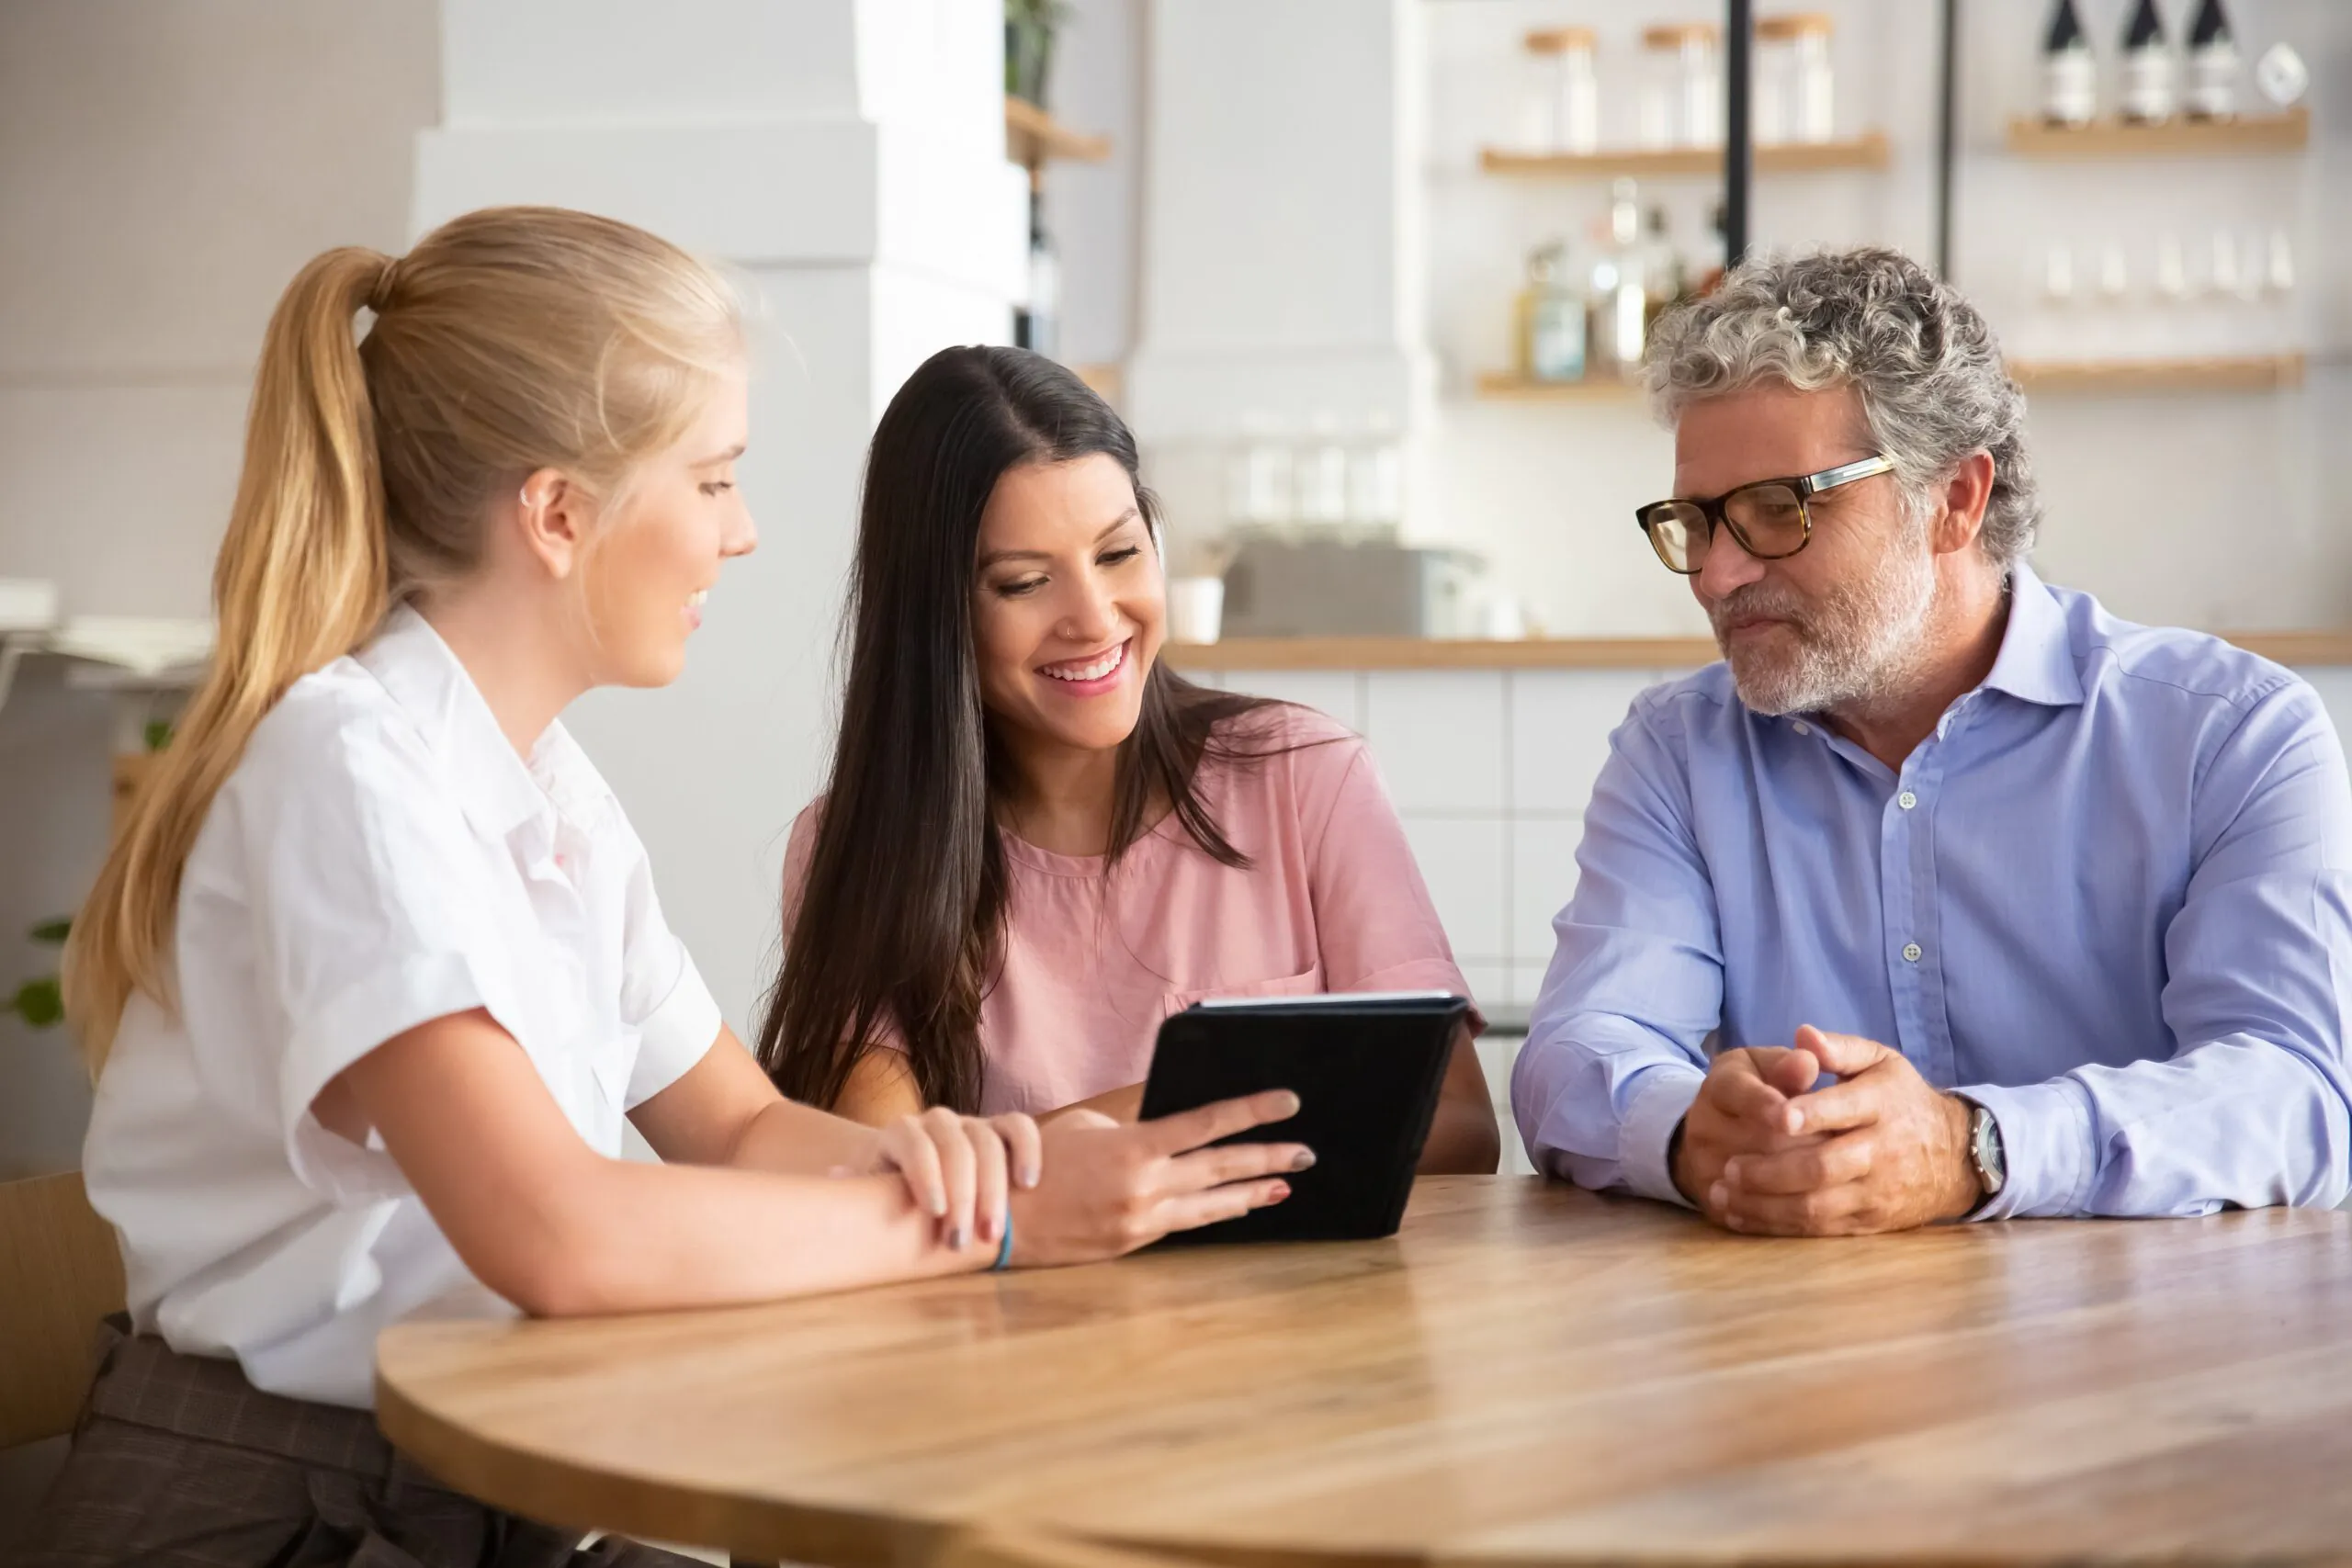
{"x":377,"y":969}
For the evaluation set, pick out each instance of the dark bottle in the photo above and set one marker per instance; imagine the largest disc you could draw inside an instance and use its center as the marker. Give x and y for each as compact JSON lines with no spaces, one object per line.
{"x":2213,"y":64}
{"x":1036,"y":326}
{"x":2151,"y":73}
{"x":2069,"y":75}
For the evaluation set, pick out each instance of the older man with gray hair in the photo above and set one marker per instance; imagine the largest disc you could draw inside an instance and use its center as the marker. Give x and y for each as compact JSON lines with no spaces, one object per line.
{"x":2057,"y":905}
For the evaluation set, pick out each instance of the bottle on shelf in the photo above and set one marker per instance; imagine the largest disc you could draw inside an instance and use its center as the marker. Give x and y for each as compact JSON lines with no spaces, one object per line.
{"x":2150,"y":73}
{"x":1706,"y":268}
{"x":1376,"y":476}
{"x":1037,"y":324}
{"x":1262,"y":494}
{"x":1323,"y":473}
{"x":2069,"y":75}
{"x":2213,"y":64}
{"x":1551,"y":319}
{"x":1665,"y":284}
{"x":1618,"y":300}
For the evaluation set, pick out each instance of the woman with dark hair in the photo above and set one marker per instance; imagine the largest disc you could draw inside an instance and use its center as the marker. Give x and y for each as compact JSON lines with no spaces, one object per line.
{"x":1036,"y":840}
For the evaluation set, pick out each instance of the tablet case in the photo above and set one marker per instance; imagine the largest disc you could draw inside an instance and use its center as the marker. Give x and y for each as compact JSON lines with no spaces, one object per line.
{"x":1366,"y":1070}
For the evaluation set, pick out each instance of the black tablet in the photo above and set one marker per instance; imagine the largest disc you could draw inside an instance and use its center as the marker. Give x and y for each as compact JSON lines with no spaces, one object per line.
{"x":1366,"y":1070}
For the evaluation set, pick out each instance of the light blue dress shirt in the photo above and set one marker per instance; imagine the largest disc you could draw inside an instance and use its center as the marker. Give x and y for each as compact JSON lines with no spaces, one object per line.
{"x":2108,"y":899}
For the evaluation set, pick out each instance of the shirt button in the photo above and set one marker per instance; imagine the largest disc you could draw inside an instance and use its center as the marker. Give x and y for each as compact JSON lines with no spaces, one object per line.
{"x":1911,"y":950}
{"x":1907,"y":800}
{"x":1802,"y":727}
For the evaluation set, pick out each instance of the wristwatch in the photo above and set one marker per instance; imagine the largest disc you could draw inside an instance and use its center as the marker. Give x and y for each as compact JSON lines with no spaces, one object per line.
{"x":1985,"y":1155}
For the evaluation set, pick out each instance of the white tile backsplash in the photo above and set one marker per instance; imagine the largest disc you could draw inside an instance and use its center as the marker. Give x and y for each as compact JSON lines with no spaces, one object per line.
{"x":1339,"y":692}
{"x":1439,"y":737}
{"x":1560,"y":724}
{"x":1462,"y":861}
{"x":1542,"y":876}
{"x":1496,"y":1054}
{"x":1489,"y":983}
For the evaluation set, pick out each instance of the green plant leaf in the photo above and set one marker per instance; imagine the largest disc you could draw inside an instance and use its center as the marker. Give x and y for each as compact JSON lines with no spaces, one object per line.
{"x":158,"y":734}
{"x":53,"y":933}
{"x":39,"y":1003}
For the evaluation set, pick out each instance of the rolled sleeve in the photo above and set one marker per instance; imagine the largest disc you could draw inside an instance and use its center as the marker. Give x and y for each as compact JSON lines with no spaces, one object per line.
{"x":1615,"y":1050}
{"x":2046,"y":1132}
{"x":676,"y":1035}
{"x":380,"y":1005}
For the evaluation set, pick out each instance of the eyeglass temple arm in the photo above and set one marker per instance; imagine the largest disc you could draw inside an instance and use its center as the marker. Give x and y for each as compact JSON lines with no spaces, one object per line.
{"x":1846,"y":473}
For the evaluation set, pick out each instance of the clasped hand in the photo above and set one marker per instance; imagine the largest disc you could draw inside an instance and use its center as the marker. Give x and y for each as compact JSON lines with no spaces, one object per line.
{"x":1883,"y":1150}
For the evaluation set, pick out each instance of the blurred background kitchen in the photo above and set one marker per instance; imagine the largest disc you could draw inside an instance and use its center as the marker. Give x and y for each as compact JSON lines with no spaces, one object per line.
{"x":1368,"y":278}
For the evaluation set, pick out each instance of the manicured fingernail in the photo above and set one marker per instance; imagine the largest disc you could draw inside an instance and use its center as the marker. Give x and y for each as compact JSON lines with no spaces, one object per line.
{"x":1288,"y":1103}
{"x":1281,"y":1190}
{"x":1303,"y":1161}
{"x":1030,"y":1176}
{"x":1795,"y":1119}
{"x":959,"y":1238}
{"x":1731,"y":1171}
{"x":1733,"y":1222}
{"x":1718,"y":1194}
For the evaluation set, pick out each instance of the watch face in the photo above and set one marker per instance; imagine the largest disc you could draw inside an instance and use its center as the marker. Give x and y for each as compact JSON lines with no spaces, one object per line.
{"x":1992,"y":1168}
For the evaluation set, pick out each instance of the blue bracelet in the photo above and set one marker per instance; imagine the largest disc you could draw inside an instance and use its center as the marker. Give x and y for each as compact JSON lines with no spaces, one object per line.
{"x":1004,"y":1248}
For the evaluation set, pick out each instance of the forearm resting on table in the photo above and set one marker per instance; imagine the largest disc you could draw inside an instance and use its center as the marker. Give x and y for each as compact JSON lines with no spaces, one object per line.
{"x":561,"y":1230}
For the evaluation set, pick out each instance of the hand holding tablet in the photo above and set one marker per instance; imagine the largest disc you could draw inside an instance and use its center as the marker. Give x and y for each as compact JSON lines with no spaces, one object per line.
{"x":1366,"y":1068}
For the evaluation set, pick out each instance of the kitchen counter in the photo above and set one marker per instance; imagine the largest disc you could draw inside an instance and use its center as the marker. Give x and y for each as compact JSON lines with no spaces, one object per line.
{"x":2298,"y":648}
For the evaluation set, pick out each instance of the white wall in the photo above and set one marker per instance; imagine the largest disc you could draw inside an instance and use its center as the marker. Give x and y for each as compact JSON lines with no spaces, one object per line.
{"x":164,"y":167}
{"x":1097,"y":86}
{"x":848,"y":157}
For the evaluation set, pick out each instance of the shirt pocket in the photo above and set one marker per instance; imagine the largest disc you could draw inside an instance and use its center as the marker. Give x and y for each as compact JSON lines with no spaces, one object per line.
{"x":1307,"y":984}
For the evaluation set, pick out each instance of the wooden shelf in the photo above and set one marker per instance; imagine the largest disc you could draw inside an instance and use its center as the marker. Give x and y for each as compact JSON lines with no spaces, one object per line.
{"x":2289,"y":132}
{"x":1868,"y":151}
{"x":1441,"y":653}
{"x":1033,"y":138}
{"x":2302,"y":649}
{"x":1512,"y":388}
{"x":2243,"y":373}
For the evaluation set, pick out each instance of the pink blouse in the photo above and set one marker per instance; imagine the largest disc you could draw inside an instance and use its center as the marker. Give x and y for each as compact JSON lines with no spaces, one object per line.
{"x":1331,"y":901}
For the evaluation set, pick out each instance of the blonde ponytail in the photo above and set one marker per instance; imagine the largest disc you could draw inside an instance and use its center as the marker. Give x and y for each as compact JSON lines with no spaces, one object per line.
{"x":299,"y":581}
{"x":510,"y":339}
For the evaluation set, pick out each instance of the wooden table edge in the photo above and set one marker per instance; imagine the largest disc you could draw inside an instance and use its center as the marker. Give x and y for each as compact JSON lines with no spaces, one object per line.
{"x":534,"y":1482}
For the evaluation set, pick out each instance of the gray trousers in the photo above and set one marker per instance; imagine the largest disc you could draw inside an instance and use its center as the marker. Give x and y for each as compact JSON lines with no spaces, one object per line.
{"x":179,"y":1462}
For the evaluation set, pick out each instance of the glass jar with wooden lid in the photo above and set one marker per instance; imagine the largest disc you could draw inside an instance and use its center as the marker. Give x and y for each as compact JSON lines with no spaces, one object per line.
{"x":1797,"y":97}
{"x":1682,"y":91}
{"x":1567,"y":88}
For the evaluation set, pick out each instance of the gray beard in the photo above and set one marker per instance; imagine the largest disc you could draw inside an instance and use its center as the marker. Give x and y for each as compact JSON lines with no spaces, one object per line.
{"x":1861,"y":645}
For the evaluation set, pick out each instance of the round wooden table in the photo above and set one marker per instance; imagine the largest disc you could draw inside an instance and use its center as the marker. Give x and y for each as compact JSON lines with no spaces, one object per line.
{"x":1526,"y":1375}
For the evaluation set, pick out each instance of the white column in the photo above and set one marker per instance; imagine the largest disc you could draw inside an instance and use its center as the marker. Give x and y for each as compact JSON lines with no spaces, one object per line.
{"x":1282,"y":228}
{"x":847,"y":158}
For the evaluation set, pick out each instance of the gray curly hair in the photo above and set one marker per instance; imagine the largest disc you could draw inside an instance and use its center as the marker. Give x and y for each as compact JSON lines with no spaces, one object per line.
{"x":1927,"y":368}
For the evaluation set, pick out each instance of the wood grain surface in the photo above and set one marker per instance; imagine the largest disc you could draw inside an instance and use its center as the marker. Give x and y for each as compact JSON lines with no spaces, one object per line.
{"x":1526,"y":1375}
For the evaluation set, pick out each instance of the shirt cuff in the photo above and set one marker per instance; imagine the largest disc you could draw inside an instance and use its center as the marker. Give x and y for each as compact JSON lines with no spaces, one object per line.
{"x":1662,"y":1096}
{"x":2045,"y":1145}
{"x":675,"y":1035}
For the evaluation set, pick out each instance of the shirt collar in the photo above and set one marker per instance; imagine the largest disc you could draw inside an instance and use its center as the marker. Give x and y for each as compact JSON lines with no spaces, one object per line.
{"x":2037,"y":657}
{"x":498,"y":791}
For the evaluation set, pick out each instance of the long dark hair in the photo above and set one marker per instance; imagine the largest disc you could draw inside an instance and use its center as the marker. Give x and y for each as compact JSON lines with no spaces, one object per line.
{"x":901,"y":916}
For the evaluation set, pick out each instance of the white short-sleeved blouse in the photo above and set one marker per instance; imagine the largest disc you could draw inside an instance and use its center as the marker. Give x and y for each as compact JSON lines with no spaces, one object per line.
{"x":380,"y":857}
